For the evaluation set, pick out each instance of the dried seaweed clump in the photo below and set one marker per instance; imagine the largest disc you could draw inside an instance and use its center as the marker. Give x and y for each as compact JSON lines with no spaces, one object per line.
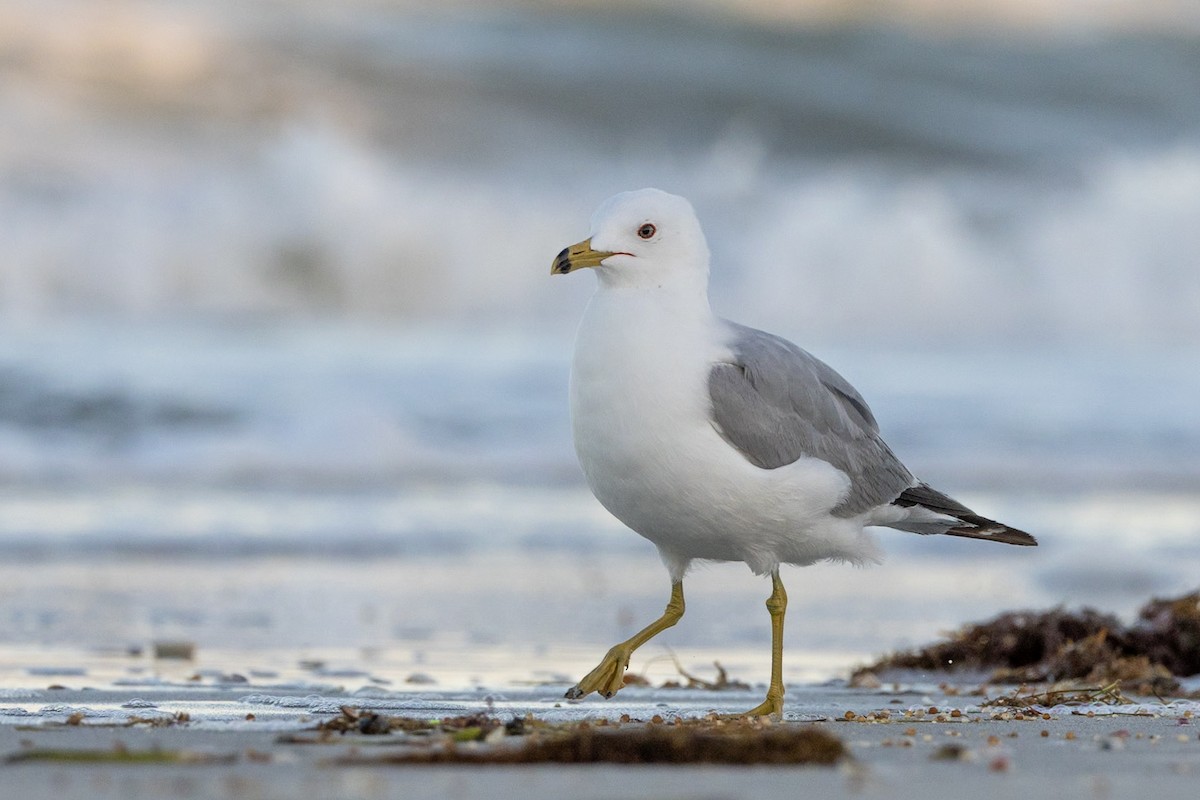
{"x":371,"y":723}
{"x":654,"y":744}
{"x":720,"y":684}
{"x":1167,"y":632}
{"x":1031,"y":646}
{"x":694,"y":742}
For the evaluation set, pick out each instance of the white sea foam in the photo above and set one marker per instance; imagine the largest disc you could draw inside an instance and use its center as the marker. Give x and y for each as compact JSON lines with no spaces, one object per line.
{"x":321,"y":225}
{"x":331,"y":705}
{"x":1111,"y":260}
{"x":990,"y":197}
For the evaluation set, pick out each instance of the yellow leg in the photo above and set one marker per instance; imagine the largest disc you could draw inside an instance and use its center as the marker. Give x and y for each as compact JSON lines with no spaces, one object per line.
{"x":609,"y":676}
{"x":776,"y":605}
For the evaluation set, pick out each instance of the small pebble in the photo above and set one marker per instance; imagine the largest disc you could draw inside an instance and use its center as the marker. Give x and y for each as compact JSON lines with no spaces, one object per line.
{"x":182,"y":650}
{"x":951,"y":752}
{"x":421,"y":679}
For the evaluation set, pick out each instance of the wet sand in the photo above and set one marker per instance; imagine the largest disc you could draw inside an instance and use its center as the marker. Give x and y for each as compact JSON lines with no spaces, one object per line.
{"x":216,"y":738}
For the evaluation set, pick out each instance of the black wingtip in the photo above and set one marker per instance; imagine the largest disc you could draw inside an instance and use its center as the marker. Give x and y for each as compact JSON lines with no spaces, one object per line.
{"x":977,"y":527}
{"x":995,"y":533}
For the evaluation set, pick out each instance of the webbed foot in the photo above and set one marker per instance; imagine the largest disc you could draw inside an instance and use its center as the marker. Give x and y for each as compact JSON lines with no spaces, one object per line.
{"x":607,"y":678}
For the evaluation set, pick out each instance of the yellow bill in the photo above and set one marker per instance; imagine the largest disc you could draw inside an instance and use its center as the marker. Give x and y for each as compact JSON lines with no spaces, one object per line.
{"x":577,"y":256}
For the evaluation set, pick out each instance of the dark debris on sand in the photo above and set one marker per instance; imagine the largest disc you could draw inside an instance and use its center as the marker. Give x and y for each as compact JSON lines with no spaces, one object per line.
{"x":371,"y":723}
{"x":684,"y":742}
{"x":485,"y":739}
{"x":1056,"y":645}
{"x":721,"y":683}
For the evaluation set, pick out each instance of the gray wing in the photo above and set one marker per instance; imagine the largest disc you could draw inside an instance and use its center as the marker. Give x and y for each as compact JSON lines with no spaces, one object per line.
{"x":777,"y":403}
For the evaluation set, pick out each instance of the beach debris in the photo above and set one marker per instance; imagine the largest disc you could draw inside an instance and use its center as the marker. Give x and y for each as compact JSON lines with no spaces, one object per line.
{"x":952,"y":751}
{"x":119,"y":754}
{"x":178,"y":650}
{"x":368,"y":723}
{"x":865,"y":679}
{"x":417,"y":679}
{"x":1048,"y":646}
{"x":372,"y":723}
{"x":1026,"y":698}
{"x":161,"y":721}
{"x":1168,"y":633}
{"x":685,"y":742}
{"x":76,"y":719}
{"x":486,"y":739}
{"x":720,"y":683}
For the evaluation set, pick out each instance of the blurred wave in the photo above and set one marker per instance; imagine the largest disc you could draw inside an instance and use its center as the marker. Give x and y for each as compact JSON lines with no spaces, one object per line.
{"x":413,"y":163}
{"x":274,"y":275}
{"x":333,"y":408}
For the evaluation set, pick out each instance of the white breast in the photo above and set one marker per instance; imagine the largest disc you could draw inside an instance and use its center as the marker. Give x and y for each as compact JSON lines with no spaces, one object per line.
{"x":638,"y":399}
{"x":641,"y":418}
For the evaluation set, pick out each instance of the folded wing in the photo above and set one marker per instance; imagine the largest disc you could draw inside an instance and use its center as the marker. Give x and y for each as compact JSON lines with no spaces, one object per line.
{"x":776,"y":403}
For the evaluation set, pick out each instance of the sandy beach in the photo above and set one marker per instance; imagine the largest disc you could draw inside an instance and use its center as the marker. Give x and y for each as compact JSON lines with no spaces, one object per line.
{"x":226,"y":736}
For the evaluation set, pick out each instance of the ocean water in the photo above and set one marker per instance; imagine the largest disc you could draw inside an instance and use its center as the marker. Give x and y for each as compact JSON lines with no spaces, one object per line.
{"x":282,"y":365}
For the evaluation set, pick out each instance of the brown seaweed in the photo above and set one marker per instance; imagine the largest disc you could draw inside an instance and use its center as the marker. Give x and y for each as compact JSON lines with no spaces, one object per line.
{"x":693,"y":742}
{"x":1056,"y":645}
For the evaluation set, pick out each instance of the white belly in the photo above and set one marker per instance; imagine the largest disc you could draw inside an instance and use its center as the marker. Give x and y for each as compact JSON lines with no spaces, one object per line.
{"x":641,"y":419}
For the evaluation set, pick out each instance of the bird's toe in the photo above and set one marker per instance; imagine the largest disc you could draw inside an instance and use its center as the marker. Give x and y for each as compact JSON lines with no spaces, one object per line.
{"x":607,"y":678}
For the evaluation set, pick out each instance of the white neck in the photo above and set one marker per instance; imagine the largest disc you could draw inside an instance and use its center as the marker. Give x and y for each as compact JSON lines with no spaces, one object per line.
{"x":668,"y":298}
{"x":683,"y":279}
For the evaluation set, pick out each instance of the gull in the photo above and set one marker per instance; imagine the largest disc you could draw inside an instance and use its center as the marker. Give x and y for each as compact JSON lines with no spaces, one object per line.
{"x":719,"y":442}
